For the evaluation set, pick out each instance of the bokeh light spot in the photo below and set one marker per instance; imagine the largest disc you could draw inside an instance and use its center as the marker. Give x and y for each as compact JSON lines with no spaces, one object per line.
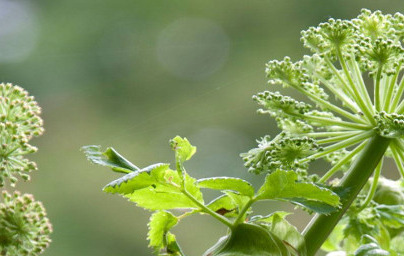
{"x":18,"y":30}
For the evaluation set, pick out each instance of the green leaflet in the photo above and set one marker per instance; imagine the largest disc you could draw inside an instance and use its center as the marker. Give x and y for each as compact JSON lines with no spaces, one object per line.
{"x":160,"y":223}
{"x":269,"y":218}
{"x":137,"y":180}
{"x":173,"y":248}
{"x":166,"y":194}
{"x":109,"y":158}
{"x":371,"y":248}
{"x":228,"y":183}
{"x":391,"y":215}
{"x":229,"y":205}
{"x":160,"y":199}
{"x":224,"y":205}
{"x":315,"y":206}
{"x":397,"y":243}
{"x":282,"y":185}
{"x":239,"y":200}
{"x":366,"y":223}
{"x":287,"y":232}
{"x":183,"y":149}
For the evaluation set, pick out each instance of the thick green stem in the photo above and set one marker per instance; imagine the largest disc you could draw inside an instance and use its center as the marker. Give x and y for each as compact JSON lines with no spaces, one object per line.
{"x":243,"y":211}
{"x":321,"y":226}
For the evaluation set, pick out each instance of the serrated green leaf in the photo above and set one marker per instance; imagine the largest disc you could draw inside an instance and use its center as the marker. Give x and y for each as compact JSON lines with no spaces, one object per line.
{"x":160,"y":199}
{"x":366,"y":225}
{"x":136,"y":180}
{"x":239,"y":200}
{"x":183,"y":148}
{"x":315,"y":206}
{"x":166,"y":194}
{"x":268,"y":218}
{"x":391,"y":215}
{"x":173,"y":248}
{"x":228,"y":183}
{"x":160,"y":223}
{"x":283,"y":185}
{"x":289,"y":233}
{"x":224,"y":205}
{"x":109,"y":158}
{"x":357,"y":226}
{"x":371,"y":249}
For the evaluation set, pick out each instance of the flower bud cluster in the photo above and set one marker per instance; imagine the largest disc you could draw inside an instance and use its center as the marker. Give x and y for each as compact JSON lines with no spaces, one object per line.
{"x":282,"y":152}
{"x":24,"y":227}
{"x":339,"y":129}
{"x":285,"y":72}
{"x":344,"y":52}
{"x":390,"y":125}
{"x":19,"y":122}
{"x":329,"y":38}
{"x":377,"y":25}
{"x":283,"y":106}
{"x":293,"y":127}
{"x":380,"y":53}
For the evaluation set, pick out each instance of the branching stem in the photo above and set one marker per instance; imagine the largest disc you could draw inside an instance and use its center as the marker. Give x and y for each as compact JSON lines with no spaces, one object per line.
{"x":208,"y":211}
{"x":329,"y":122}
{"x":321,"y":226}
{"x":343,"y":161}
{"x":243,"y":211}
{"x":338,"y":138}
{"x":343,"y":144}
{"x":367,"y":110}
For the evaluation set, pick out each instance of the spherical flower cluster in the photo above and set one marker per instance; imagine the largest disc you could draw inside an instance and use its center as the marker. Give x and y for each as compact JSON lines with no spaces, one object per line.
{"x":359,"y":62}
{"x":24,"y":227}
{"x":283,"y":152}
{"x":19,"y":122}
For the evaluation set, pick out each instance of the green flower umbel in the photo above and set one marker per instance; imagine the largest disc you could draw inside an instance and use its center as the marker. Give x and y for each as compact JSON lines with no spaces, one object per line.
{"x":19,"y":122}
{"x":359,"y":62}
{"x":24,"y":227}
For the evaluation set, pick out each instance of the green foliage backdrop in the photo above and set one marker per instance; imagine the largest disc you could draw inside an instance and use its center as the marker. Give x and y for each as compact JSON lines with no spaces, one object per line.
{"x":132,"y":74}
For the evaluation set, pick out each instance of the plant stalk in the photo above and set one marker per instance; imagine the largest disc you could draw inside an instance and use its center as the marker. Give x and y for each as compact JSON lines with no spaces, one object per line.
{"x":321,"y":226}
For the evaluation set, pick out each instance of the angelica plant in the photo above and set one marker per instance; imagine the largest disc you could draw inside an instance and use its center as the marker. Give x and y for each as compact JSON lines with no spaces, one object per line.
{"x":24,"y":227}
{"x":161,"y":189}
{"x":357,"y":211}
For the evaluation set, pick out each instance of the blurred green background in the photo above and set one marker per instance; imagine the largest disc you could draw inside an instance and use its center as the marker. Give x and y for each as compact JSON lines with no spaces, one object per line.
{"x":134,"y":73}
